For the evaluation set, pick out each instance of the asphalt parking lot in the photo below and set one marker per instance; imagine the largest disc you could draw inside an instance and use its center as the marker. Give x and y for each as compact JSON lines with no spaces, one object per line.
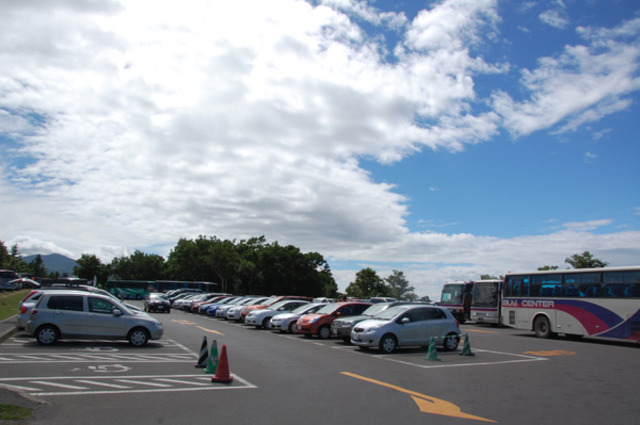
{"x":512,"y":377}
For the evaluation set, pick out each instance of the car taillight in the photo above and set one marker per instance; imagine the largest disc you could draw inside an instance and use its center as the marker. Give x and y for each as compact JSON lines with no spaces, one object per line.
{"x":29,"y":296}
{"x":23,"y":310}
{"x":457,"y":323}
{"x":34,"y":311}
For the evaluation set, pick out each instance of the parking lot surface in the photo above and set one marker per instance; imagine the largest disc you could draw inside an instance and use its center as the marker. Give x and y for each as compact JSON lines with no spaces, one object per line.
{"x":506,"y":377}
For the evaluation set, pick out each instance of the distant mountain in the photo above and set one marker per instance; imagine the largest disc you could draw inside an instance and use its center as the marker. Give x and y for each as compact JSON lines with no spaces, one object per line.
{"x":55,"y":263}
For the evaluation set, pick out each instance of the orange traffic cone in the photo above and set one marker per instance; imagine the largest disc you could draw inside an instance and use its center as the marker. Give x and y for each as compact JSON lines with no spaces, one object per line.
{"x":222,"y":372}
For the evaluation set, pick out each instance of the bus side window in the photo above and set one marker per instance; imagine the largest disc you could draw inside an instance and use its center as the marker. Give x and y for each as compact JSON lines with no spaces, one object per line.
{"x":571,"y":290}
{"x":633,"y":291}
{"x":615,"y":290}
{"x":590,"y":291}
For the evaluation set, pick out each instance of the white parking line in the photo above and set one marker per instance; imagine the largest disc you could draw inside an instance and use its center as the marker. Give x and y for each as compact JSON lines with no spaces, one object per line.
{"x":150,"y":384}
{"x":121,"y":384}
{"x":101,"y":384}
{"x":58,"y":385}
{"x":178,"y":381}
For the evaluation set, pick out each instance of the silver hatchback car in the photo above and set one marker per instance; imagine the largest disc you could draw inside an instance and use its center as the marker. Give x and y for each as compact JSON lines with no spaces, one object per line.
{"x":407,"y":325}
{"x":73,"y":314}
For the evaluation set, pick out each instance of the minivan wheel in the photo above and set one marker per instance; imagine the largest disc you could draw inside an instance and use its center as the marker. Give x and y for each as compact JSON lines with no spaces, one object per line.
{"x":47,"y":335}
{"x":138,"y":337}
{"x":451,"y":342}
{"x":388,"y":344}
{"x":324,"y":332}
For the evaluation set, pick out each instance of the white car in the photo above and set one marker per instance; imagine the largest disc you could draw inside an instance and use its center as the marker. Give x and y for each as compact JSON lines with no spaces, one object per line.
{"x":234,"y":313}
{"x":286,"y":322}
{"x":261,"y":318}
{"x":407,"y":325}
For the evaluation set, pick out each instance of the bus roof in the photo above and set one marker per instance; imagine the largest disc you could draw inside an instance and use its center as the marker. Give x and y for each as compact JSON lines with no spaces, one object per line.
{"x":595,"y":270}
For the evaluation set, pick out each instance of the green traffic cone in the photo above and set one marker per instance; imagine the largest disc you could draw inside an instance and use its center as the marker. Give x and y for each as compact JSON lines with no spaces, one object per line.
{"x":466,"y":349}
{"x":433,"y":352}
{"x":212,"y":361}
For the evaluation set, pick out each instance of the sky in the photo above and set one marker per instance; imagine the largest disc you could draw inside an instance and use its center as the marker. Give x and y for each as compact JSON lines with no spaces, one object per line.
{"x":444,"y":139}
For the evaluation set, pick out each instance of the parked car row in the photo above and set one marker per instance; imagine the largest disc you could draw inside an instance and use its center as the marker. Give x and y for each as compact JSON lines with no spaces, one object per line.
{"x":384,"y":325}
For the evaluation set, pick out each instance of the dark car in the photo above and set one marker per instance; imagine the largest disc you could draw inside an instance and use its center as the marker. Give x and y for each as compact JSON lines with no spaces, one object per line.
{"x":7,"y":278}
{"x":156,"y":301}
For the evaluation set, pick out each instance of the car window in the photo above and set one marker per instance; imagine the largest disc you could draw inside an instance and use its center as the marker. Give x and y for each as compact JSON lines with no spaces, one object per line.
{"x":359,"y":308}
{"x":65,"y":302}
{"x":99,"y":305}
{"x":415,"y":315}
{"x":434,"y":314}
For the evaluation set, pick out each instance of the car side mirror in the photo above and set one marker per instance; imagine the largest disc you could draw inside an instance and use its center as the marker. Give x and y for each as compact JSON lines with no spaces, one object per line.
{"x":404,"y":320}
{"x":116,"y":312}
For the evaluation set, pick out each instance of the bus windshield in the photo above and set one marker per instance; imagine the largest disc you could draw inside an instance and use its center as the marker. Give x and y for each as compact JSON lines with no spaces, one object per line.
{"x":452,"y":294}
{"x":485,"y":294}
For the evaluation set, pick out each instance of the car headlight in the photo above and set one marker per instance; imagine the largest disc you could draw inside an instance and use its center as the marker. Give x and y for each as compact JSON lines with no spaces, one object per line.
{"x":158,"y":325}
{"x":314,"y":320}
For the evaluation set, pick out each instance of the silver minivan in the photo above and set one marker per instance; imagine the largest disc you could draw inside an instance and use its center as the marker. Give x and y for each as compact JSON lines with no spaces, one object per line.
{"x":407,"y":325}
{"x":74,"y":314}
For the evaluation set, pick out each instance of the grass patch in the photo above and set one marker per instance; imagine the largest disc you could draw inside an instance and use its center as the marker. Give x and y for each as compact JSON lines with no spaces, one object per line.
{"x":9,"y":302}
{"x":10,"y":412}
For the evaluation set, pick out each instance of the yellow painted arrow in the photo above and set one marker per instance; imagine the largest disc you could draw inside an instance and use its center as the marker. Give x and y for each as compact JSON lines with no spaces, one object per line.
{"x":426,"y":404}
{"x":210,"y":331}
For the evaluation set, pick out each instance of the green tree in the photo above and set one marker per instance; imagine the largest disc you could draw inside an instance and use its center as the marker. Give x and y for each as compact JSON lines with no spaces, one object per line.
{"x":398,"y":285}
{"x":37,"y":266}
{"x":4,"y":256}
{"x":89,"y":266}
{"x":426,"y":299}
{"x":367,"y":284}
{"x":12,"y":260}
{"x":585,"y":261}
{"x":545,"y":268}
{"x":138,"y":266}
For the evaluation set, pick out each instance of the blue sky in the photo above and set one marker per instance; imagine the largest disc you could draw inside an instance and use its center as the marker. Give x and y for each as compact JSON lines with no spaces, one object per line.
{"x":446,"y":139}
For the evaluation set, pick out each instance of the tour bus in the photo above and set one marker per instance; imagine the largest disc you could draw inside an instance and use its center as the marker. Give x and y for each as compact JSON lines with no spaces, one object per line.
{"x":138,"y":289}
{"x":599,"y":303}
{"x":130,"y":289}
{"x":485,"y":303}
{"x":456,"y":297}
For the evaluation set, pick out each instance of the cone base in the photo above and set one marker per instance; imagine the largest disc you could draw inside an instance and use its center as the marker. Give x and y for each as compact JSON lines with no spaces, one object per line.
{"x":222,"y":380}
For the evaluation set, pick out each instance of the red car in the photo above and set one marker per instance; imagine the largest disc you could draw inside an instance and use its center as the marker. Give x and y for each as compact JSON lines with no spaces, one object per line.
{"x":319,"y":323}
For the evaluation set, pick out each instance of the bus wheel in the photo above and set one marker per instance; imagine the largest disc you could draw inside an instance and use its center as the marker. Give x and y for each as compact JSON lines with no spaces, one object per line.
{"x":542,"y":327}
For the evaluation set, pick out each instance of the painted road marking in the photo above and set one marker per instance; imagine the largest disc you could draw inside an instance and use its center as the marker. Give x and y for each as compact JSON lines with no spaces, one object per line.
{"x":210,"y":330}
{"x":86,"y":385}
{"x":190,"y":323}
{"x":93,"y":358}
{"x":551,"y":353}
{"x":426,"y":404}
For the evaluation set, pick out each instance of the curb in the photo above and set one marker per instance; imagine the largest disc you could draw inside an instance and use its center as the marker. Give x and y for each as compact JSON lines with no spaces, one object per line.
{"x":8,"y":328}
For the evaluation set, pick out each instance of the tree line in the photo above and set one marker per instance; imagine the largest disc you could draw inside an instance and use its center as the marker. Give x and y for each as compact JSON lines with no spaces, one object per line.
{"x":251,"y":266}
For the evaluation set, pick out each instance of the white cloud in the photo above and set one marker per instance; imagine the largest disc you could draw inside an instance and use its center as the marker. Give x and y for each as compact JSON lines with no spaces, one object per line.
{"x":143,"y":122}
{"x":582,"y":85}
